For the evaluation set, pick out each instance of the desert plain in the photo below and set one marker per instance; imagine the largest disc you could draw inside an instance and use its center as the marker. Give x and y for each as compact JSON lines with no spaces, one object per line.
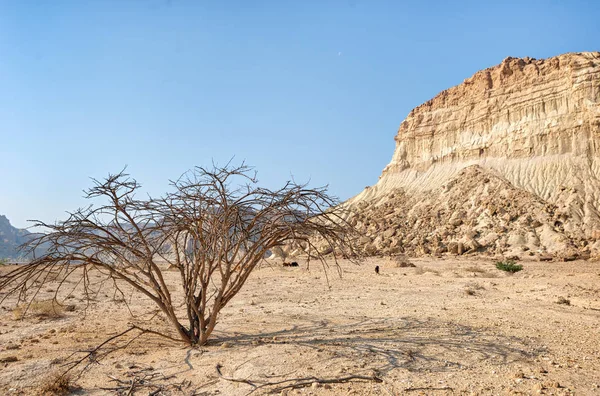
{"x":450,"y":325}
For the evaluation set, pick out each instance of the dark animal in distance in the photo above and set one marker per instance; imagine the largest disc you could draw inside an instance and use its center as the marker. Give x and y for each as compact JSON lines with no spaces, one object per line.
{"x":377,"y":269}
{"x":292,"y":264}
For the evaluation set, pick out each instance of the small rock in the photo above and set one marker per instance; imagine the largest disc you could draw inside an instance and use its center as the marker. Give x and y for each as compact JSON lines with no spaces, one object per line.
{"x":552,"y":384}
{"x":455,"y":222}
{"x":564,"y":301}
{"x":538,"y":388}
{"x":389,"y":233}
{"x":453,"y":248}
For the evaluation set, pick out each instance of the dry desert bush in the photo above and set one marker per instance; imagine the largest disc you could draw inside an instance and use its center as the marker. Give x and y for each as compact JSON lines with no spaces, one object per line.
{"x":56,"y":385}
{"x":46,"y":309}
{"x":213,"y":229}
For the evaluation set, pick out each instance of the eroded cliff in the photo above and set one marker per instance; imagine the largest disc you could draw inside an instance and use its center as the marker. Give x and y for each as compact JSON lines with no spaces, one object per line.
{"x":529,"y":126}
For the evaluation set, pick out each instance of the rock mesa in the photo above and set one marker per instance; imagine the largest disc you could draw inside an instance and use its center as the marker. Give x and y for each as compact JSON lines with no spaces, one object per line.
{"x":507,"y":162}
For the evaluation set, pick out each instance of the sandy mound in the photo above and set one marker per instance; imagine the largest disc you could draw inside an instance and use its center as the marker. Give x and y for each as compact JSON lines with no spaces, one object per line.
{"x":475,"y":212}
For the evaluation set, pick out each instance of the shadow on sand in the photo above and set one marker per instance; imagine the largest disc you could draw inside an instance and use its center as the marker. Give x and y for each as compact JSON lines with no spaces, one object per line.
{"x":387,"y":344}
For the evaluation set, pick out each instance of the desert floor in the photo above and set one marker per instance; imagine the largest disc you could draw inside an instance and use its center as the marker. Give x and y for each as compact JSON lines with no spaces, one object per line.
{"x":448,"y":326}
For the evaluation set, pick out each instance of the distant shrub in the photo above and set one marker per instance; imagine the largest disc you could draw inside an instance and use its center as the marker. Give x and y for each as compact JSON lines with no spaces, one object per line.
{"x":509,"y":266}
{"x":3,"y":261}
{"x":57,"y":385}
{"x":562,"y":300}
{"x":47,"y":309}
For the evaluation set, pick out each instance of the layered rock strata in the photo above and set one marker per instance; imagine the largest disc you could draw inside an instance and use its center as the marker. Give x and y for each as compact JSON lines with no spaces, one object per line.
{"x":510,"y":155}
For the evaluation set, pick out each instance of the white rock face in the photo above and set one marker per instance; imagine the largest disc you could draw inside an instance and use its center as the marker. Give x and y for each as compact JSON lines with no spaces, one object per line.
{"x":534,"y":123}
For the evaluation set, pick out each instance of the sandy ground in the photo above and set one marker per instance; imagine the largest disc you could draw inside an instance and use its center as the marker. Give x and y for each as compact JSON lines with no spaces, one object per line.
{"x":448,"y":326}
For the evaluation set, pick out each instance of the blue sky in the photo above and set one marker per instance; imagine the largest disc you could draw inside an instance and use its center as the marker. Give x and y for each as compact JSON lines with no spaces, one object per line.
{"x":310,"y":89}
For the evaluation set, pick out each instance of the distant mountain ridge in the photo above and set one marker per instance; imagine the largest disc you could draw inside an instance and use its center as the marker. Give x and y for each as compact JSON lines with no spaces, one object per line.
{"x":11,"y":238}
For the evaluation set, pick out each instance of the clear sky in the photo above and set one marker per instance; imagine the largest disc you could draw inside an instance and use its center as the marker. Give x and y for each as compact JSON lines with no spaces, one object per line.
{"x":310,"y":89}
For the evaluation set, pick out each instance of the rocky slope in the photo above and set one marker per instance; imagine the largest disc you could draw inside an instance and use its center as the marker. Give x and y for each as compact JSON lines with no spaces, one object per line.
{"x":11,"y":238}
{"x":506,"y":163}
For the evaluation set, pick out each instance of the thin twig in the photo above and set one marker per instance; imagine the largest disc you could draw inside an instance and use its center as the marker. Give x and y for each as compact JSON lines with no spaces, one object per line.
{"x":428,"y":388}
{"x":92,"y":352}
{"x":308,"y":381}
{"x":295,"y":383}
{"x":244,"y":381}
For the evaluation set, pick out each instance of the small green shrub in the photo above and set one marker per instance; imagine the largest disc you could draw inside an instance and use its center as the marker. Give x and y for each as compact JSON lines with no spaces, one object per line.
{"x":509,"y":266}
{"x":3,"y":261}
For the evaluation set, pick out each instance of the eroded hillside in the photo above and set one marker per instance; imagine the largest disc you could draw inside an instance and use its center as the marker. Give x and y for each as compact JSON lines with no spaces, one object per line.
{"x":506,"y":162}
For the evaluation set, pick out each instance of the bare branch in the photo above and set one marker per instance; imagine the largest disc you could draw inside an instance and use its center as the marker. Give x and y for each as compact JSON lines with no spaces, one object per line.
{"x":215,"y":226}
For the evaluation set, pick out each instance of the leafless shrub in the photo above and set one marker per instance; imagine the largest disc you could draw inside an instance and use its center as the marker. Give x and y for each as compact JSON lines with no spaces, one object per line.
{"x":56,"y":385}
{"x":213,"y":229}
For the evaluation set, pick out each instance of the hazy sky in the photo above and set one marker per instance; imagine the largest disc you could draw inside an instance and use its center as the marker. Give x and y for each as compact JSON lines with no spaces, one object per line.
{"x":310,"y":89}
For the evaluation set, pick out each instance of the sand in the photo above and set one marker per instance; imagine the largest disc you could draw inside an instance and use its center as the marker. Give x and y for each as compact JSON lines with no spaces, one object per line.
{"x":448,"y":326}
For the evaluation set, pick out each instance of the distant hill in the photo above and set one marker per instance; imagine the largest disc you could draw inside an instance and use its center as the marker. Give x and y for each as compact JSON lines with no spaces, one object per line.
{"x":11,"y":238}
